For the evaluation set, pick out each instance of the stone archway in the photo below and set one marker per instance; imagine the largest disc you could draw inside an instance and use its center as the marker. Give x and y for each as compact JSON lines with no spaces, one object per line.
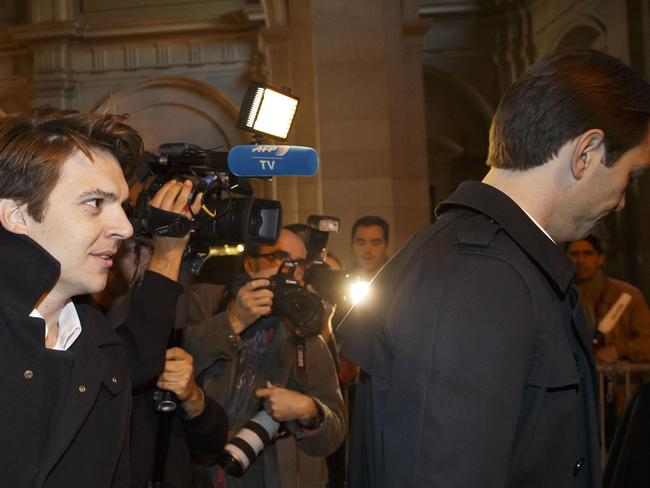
{"x":458,"y":122}
{"x":178,"y":109}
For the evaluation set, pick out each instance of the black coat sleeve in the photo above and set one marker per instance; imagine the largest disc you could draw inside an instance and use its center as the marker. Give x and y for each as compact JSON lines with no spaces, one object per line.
{"x":147,"y":328}
{"x":206,"y":433}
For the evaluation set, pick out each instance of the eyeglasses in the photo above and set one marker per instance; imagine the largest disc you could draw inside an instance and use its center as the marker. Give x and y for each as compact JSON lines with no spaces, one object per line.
{"x":278,"y":257}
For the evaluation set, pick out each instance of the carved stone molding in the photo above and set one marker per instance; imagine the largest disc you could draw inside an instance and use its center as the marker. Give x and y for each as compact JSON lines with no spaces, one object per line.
{"x":51,"y":10}
{"x":174,"y":95}
{"x":276,"y":13}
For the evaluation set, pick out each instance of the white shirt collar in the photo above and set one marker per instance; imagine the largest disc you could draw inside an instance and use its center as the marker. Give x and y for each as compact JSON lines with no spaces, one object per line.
{"x":69,"y":327}
{"x":540,"y":227}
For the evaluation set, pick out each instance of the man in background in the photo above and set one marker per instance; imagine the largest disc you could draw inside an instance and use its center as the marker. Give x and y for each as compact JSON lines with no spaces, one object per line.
{"x":369,"y":245}
{"x":627,"y":336}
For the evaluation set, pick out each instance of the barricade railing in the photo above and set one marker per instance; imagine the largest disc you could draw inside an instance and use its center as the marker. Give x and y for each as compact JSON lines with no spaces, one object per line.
{"x":619,"y":370}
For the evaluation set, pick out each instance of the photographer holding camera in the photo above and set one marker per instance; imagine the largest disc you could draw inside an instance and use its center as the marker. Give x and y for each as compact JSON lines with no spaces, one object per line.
{"x":248,"y":359}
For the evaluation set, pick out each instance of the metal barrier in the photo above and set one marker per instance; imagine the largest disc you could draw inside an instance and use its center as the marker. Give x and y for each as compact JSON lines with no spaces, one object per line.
{"x":615,"y":371}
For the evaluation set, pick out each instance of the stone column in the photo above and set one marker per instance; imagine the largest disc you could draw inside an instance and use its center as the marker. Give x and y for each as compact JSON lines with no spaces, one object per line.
{"x":371,"y":128}
{"x":286,"y":44}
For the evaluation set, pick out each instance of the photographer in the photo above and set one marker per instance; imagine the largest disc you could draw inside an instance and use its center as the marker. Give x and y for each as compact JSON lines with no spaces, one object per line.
{"x":245,"y":357}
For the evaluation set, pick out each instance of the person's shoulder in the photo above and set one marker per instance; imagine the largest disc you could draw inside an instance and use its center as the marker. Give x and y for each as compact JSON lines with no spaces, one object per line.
{"x":461,"y":232}
{"x":616,"y":286}
{"x":206,"y":292}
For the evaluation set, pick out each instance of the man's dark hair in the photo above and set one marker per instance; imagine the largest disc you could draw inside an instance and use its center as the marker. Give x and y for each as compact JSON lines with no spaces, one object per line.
{"x":34,"y":148}
{"x":368,"y":221}
{"x":591,"y":239}
{"x":301,"y":230}
{"x":562,"y":96}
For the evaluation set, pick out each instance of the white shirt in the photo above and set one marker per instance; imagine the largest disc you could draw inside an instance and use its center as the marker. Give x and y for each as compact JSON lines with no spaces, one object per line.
{"x":69,"y":327}
{"x":537,"y":224}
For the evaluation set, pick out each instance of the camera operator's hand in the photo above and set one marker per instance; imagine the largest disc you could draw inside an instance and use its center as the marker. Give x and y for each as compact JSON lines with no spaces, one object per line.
{"x":284,"y":405}
{"x":178,"y":377}
{"x":168,"y":251}
{"x":253,"y":300}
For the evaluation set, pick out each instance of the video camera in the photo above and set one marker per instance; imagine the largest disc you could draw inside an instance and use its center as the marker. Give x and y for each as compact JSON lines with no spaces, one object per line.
{"x":229,"y":213}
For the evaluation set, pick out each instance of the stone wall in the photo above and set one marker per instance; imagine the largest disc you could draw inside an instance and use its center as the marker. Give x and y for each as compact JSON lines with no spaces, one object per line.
{"x":397,"y":97}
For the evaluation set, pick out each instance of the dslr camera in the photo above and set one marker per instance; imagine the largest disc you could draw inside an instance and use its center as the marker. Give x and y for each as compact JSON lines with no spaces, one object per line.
{"x":302,"y":310}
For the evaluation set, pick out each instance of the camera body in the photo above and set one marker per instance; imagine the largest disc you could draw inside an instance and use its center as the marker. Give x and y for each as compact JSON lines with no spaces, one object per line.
{"x":302,"y":310}
{"x":333,"y":285}
{"x":229,"y":213}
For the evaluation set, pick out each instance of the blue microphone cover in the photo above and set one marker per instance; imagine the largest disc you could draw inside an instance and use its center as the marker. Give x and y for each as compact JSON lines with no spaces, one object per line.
{"x":267,"y":160}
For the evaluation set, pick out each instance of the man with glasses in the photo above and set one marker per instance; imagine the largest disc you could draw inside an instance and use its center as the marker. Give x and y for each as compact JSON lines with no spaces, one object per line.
{"x":245,"y":359}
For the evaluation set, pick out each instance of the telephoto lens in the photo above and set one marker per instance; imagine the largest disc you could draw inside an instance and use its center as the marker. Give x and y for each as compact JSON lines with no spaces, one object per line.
{"x":246,"y":445}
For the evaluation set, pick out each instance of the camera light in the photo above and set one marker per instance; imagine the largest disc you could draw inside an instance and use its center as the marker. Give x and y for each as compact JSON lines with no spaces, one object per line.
{"x":267,"y":111}
{"x":324,"y":223}
{"x":225,"y":250}
{"x":359,"y":291}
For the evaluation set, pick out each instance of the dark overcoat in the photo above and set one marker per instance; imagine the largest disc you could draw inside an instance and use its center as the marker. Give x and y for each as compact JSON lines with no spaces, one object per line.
{"x":478,"y":371}
{"x":64,"y":415}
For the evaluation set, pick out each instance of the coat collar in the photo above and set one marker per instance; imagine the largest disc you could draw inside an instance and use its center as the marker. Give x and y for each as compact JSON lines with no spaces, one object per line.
{"x":496,"y":205}
{"x":28,"y":271}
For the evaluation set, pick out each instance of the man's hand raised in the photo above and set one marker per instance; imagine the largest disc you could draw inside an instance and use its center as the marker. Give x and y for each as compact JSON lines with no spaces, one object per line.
{"x":253,"y":300}
{"x":168,"y":251}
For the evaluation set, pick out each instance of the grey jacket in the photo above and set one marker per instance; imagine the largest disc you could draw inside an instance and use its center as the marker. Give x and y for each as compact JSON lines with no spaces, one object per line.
{"x":215,"y":348}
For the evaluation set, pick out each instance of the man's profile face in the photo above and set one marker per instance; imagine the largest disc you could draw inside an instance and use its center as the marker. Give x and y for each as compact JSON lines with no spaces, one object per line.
{"x":603,"y":188}
{"x":586,"y":258}
{"x":288,"y":246}
{"x":84,"y":222}
{"x":369,"y":247}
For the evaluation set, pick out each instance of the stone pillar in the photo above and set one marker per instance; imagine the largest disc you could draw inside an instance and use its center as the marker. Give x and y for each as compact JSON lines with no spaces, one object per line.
{"x":287,"y":46}
{"x":371,"y":129}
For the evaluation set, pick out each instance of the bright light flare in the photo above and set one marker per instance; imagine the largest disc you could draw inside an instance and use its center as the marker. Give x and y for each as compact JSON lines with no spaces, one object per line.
{"x":359,"y":291}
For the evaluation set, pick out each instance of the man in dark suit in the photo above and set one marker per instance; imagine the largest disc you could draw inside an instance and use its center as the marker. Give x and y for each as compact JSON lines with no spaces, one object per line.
{"x":477,"y":363}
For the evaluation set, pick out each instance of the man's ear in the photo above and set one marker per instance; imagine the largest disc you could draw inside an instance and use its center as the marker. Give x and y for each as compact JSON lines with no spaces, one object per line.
{"x":589,"y":149}
{"x":249,"y":265}
{"x":13,"y":216}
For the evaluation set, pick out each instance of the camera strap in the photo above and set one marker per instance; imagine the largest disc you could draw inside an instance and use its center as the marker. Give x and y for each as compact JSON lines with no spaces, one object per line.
{"x":301,"y":358}
{"x":301,"y":355}
{"x":168,"y":224}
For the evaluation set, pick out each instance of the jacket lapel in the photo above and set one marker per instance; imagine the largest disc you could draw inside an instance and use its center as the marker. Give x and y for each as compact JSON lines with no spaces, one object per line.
{"x":90,"y":368}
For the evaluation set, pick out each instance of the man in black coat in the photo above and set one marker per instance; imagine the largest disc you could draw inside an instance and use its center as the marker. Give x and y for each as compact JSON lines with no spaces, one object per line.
{"x":65,"y":375}
{"x":477,"y":363}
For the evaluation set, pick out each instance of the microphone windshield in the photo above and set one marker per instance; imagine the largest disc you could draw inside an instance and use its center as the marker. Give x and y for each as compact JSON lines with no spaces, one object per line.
{"x":268,"y":160}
